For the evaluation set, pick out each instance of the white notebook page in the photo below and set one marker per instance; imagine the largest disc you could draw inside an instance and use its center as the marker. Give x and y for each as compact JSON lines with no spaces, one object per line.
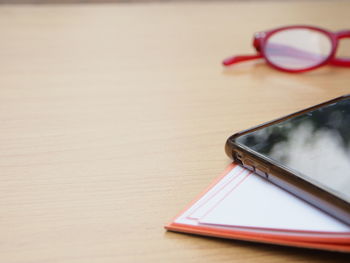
{"x":243,"y":199}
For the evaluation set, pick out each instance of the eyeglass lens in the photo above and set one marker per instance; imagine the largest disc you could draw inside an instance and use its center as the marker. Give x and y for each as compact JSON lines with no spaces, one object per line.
{"x":298,"y":48}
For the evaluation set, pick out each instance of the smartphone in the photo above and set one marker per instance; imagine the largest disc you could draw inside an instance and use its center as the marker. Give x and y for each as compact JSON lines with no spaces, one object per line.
{"x":306,"y":153}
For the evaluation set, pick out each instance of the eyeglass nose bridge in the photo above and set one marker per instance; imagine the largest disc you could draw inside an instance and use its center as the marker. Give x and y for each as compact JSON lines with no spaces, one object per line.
{"x":341,"y":61}
{"x":343,"y":34}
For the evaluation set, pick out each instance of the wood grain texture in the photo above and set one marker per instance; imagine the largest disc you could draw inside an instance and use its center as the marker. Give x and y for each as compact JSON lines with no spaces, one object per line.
{"x":114,"y":117}
{"x":45,"y":2}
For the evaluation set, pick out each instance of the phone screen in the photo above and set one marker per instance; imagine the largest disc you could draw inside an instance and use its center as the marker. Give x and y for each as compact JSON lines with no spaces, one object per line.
{"x":315,"y":144}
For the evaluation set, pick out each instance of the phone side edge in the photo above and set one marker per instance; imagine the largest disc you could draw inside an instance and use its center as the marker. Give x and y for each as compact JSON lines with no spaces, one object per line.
{"x":294,"y":184}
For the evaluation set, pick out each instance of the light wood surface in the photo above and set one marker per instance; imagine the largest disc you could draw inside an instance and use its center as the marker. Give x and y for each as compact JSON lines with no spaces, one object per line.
{"x":114,"y":117}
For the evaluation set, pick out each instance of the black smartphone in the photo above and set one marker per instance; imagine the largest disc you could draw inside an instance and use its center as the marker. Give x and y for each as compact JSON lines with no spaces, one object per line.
{"x":307,"y":153}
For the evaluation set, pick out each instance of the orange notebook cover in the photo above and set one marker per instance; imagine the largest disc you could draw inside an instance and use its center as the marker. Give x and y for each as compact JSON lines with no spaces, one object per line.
{"x":242,"y":205}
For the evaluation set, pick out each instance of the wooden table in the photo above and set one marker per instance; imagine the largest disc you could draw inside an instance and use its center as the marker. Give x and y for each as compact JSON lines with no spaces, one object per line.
{"x":114,"y":117}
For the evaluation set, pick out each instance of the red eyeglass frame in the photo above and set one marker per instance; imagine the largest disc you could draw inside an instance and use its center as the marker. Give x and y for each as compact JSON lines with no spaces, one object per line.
{"x":260,"y":39}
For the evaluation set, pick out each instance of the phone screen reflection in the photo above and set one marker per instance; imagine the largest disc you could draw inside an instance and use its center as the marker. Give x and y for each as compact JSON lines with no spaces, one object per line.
{"x":315,"y":144}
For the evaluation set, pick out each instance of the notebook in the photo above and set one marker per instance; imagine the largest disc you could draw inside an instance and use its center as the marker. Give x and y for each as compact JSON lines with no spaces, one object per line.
{"x":242,"y":205}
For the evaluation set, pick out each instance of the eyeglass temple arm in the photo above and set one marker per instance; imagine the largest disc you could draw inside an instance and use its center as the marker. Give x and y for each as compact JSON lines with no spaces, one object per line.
{"x":237,"y":59}
{"x":342,"y":62}
{"x":241,"y":58}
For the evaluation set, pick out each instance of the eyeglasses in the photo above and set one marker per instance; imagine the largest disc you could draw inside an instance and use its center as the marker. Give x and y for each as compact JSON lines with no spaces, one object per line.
{"x":296,"y":48}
